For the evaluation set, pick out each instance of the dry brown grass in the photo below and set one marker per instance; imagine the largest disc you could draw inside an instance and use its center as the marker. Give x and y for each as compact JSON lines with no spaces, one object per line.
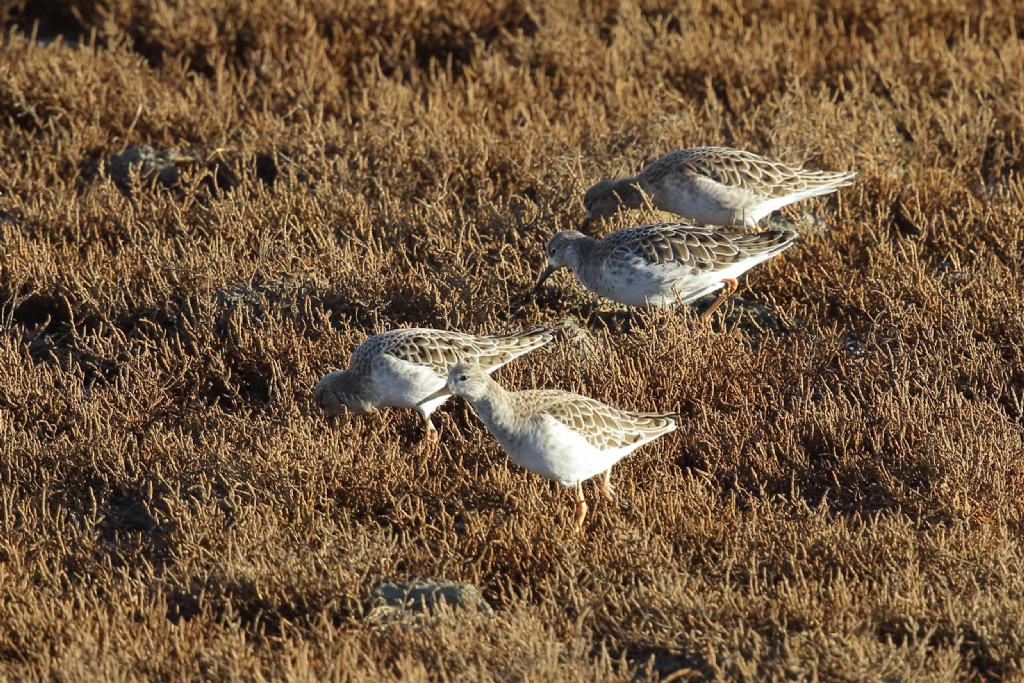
{"x":843,"y":499}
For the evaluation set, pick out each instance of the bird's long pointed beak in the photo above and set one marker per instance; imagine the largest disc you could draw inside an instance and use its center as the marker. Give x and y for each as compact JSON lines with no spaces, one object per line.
{"x":587,"y":221}
{"x":543,"y":276}
{"x":443,"y":391}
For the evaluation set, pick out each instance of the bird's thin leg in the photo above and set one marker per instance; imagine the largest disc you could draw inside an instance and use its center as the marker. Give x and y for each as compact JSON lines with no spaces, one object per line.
{"x":606,"y":486}
{"x":581,"y":508}
{"x":729,"y":286}
{"x":749,"y":226}
{"x":593,"y":305}
{"x":431,"y":437}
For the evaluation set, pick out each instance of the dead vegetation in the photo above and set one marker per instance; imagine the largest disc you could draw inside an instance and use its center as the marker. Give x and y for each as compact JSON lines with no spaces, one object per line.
{"x":842,"y":500}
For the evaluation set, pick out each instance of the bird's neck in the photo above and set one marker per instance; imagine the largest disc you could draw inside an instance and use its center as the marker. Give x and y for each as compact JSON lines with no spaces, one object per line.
{"x":580,"y":253}
{"x":586,"y":265}
{"x":629,"y":194}
{"x":357,"y":389}
{"x":350,"y":382}
{"x":496,"y":409}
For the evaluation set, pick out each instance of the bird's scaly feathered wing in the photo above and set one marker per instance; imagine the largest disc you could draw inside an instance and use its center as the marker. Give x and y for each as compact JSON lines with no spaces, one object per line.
{"x":747,"y":171}
{"x":699,"y":248}
{"x":603,"y":426}
{"x":440,"y":350}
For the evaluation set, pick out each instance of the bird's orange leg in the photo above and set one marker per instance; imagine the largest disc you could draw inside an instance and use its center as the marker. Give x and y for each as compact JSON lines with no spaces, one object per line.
{"x":606,"y":486}
{"x":581,"y":508}
{"x":729,"y":286}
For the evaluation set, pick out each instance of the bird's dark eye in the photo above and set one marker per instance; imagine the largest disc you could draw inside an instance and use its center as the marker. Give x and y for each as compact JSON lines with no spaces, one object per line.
{"x":463,"y":378}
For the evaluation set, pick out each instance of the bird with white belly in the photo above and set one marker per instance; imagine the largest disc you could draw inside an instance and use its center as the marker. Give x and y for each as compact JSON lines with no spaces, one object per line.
{"x":713,"y":186}
{"x":559,"y":435}
{"x":663,"y":264}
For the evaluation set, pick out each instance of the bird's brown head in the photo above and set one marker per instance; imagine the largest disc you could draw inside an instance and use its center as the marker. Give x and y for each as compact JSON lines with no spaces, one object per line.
{"x":336,"y":393}
{"x":606,"y":197}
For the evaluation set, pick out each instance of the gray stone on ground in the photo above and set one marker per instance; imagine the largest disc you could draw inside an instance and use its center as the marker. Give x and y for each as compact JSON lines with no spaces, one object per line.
{"x":391,"y":601}
{"x":805,"y":223}
{"x":578,"y":336}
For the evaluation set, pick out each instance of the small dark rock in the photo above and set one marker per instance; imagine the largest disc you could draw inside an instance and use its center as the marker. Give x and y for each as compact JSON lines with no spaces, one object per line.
{"x":854,"y":346}
{"x":127,"y":514}
{"x":266,"y":168}
{"x":903,"y":222}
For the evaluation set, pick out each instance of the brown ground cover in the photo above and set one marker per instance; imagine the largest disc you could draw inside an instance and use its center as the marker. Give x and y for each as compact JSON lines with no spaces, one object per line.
{"x":842,"y":500}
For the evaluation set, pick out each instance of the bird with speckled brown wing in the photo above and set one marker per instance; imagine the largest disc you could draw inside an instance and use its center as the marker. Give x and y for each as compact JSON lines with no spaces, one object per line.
{"x":713,"y":186}
{"x":559,"y":435}
{"x":663,"y":264}
{"x":399,"y":368}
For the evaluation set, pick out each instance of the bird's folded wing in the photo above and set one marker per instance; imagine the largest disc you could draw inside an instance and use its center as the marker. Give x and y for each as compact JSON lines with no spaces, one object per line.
{"x":696,"y":247}
{"x":605,"y":427}
{"x":738,"y":169}
{"x":440,"y":350}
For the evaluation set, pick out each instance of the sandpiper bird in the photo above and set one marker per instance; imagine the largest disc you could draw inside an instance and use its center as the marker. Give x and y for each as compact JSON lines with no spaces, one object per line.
{"x":400,"y":368}
{"x":713,"y":186}
{"x":557,"y":434}
{"x":663,"y":264}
